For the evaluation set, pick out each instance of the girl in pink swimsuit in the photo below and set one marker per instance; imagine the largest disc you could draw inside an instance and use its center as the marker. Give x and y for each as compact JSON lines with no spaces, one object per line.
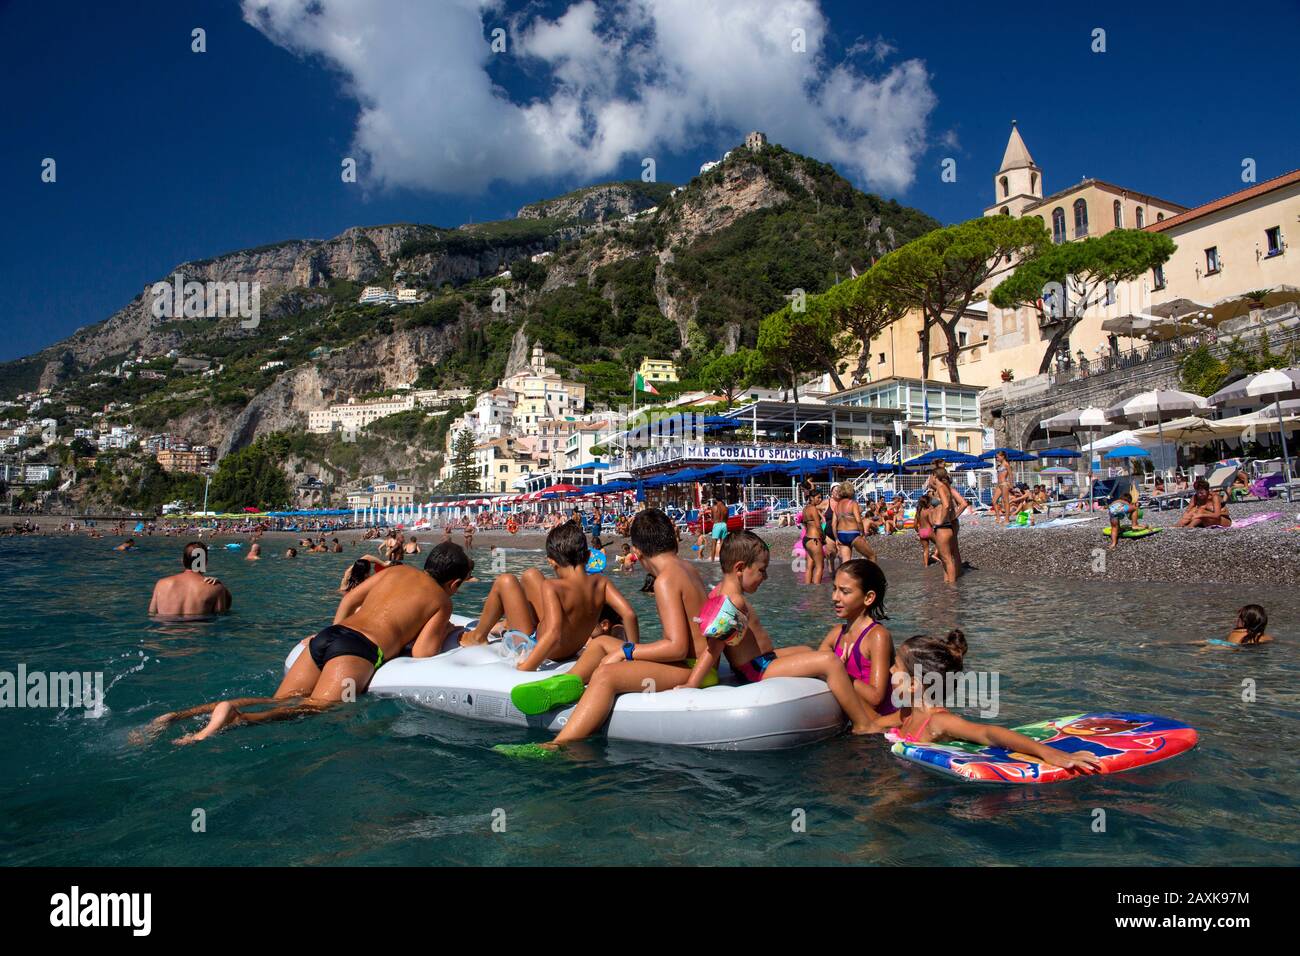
{"x":920,"y":670}
{"x":858,"y":596}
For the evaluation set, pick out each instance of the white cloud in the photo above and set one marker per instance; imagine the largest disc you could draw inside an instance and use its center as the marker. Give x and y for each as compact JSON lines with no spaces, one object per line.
{"x":613,"y":80}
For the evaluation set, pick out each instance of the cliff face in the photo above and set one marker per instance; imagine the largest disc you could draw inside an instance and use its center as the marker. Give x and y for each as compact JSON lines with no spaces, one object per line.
{"x":596,"y":203}
{"x":726,"y":194}
{"x":372,"y":366}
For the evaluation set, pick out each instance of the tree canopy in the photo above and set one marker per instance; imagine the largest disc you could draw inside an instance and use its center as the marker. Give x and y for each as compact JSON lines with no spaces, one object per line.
{"x":1082,"y":272}
{"x":940,"y":272}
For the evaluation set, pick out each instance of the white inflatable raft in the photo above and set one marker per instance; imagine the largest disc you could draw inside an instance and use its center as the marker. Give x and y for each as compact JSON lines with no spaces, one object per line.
{"x":475,"y":682}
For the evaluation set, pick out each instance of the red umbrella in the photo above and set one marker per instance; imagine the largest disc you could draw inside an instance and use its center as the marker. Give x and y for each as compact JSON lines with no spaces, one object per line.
{"x":559,"y":488}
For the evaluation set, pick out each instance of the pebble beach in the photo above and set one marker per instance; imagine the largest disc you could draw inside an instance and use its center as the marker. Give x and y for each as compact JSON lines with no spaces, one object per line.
{"x":1268,"y":550}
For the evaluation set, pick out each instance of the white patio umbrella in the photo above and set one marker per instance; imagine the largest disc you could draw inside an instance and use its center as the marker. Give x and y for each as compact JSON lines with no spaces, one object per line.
{"x":1190,"y":430}
{"x":1158,"y":404}
{"x":1089,"y":420}
{"x":1273,"y":385}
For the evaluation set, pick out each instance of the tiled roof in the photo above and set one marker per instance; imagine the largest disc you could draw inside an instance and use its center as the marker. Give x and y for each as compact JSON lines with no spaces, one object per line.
{"x":1231,"y":199}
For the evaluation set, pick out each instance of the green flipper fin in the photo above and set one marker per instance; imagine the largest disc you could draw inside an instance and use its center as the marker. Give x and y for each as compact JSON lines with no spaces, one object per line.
{"x":539,"y":696}
{"x":525,"y":751}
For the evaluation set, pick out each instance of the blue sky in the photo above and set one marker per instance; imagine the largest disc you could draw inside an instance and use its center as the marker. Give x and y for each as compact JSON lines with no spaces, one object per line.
{"x":166,"y":155}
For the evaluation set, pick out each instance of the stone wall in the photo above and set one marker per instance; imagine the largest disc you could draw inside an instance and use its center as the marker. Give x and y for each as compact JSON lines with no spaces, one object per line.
{"x":1014,"y":409}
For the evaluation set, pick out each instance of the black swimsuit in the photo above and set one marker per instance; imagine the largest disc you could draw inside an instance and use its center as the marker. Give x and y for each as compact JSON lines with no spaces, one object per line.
{"x":339,"y":641}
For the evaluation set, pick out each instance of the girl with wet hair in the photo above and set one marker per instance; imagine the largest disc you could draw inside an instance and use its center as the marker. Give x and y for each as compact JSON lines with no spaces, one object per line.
{"x":920,"y":676}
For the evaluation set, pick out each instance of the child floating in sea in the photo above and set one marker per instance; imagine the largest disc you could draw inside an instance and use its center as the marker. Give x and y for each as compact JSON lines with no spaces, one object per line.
{"x":731,"y":626}
{"x":862,"y":644}
{"x":1252,"y":620}
{"x":923,"y":663}
{"x":551,"y":619}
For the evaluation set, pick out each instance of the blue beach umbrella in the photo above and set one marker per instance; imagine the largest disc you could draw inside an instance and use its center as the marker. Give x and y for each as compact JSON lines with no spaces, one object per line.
{"x":942,"y":454}
{"x":1127,"y":451}
{"x":1059,"y":453}
{"x":1013,"y":454}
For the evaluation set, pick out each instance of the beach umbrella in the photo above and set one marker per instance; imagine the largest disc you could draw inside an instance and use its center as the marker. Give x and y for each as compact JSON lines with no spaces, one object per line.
{"x":1273,"y":385}
{"x":1078,"y":419}
{"x":1127,"y":451}
{"x":1190,"y":429}
{"x":944,"y":455}
{"x":1059,"y":453}
{"x":1056,"y":470}
{"x":1159,"y":404}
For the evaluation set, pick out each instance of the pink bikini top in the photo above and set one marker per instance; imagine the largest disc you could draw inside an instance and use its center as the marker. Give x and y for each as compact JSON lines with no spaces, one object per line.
{"x":857,"y":666}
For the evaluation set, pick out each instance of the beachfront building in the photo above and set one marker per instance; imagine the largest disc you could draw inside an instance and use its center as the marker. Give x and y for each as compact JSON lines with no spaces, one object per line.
{"x":933,"y":414}
{"x":1229,"y":247}
{"x":578,"y":445}
{"x":377,"y":295}
{"x":382,"y":494}
{"x":756,"y":433}
{"x":551,"y":437}
{"x":995,"y":345}
{"x":657,"y":370}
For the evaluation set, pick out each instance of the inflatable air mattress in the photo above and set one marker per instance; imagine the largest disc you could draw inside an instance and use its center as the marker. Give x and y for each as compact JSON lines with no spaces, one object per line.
{"x":475,"y":682}
{"x":1122,"y":741}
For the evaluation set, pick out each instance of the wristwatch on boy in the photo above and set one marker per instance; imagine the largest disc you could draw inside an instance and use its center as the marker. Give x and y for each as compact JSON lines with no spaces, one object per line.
{"x":628,"y":648}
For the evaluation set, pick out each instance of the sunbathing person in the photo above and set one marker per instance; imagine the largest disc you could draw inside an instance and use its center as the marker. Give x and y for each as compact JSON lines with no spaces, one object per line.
{"x":1206,"y":509}
{"x":552,"y":619}
{"x":190,"y":593}
{"x":374,"y":622}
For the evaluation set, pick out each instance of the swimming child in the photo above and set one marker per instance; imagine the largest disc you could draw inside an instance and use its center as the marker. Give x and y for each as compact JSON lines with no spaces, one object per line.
{"x":730,"y":626}
{"x":858,"y":596}
{"x":551,"y":618}
{"x":922,"y":662}
{"x":1249,"y":629}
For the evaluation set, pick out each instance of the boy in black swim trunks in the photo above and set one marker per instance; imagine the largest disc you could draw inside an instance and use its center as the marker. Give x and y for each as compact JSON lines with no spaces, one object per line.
{"x":375,"y":621}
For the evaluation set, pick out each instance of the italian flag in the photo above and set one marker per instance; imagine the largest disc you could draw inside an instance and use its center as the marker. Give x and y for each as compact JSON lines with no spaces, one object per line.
{"x":641,"y":385}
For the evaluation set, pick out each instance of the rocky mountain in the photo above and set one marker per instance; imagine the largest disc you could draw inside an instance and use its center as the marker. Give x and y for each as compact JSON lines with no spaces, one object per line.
{"x":599,"y":203}
{"x":618,"y":282}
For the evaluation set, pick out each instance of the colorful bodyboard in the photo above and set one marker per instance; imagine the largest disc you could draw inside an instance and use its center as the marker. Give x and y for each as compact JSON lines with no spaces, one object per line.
{"x":1122,"y":741}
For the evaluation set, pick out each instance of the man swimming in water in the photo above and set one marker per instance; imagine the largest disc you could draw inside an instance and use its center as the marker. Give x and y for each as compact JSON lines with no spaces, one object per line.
{"x":190,"y":593}
{"x":376,"y":621}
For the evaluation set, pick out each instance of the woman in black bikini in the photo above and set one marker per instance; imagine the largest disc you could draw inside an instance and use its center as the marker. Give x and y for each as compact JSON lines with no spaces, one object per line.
{"x":813,"y":539}
{"x":945,"y":527}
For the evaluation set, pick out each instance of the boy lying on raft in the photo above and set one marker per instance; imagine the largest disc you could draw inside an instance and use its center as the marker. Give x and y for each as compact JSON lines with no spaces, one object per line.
{"x":552,"y":619}
{"x":374,"y":622}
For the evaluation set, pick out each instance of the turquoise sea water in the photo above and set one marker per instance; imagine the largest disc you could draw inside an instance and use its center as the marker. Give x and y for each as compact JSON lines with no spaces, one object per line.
{"x":382,"y":782}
